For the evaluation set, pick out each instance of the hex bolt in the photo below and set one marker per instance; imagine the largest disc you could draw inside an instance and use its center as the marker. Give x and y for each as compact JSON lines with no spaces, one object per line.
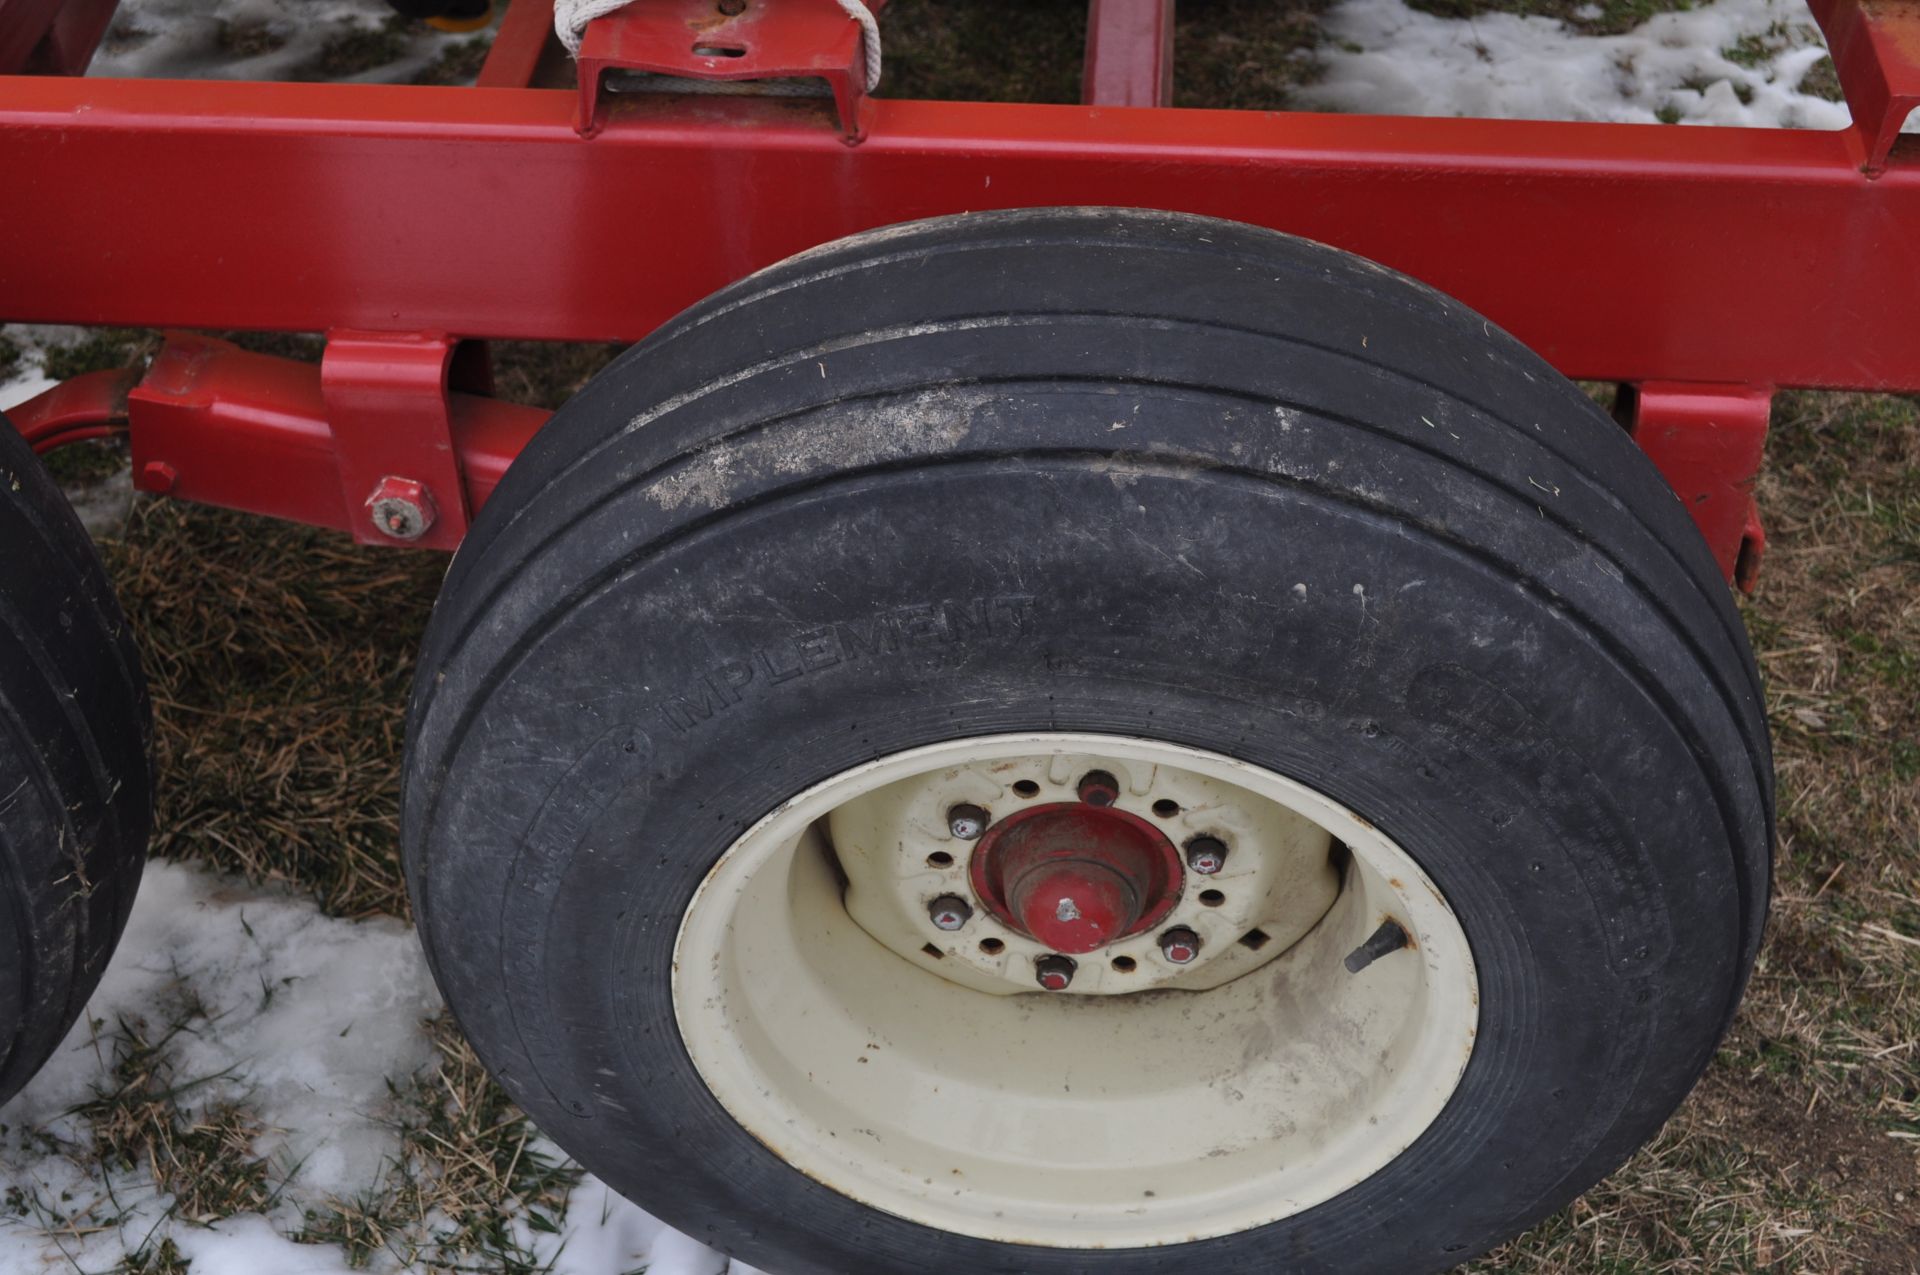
{"x":968,"y":822}
{"x":1388,"y":939}
{"x":1179,"y":945}
{"x":1206,"y":855}
{"x":401,"y":508}
{"x":1099,"y":788}
{"x":158,"y":477}
{"x":1054,"y":972}
{"x":949,"y":912}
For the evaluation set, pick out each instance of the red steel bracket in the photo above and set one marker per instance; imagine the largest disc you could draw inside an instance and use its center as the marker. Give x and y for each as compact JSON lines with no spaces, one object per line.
{"x":1129,"y":53}
{"x":386,"y":399}
{"x":1707,"y":440}
{"x":211,"y":422}
{"x":729,"y":40}
{"x":1876,"y":52}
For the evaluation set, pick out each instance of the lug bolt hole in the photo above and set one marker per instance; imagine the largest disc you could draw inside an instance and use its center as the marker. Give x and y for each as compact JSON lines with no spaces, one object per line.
{"x":967,"y":822}
{"x":1026,"y":788}
{"x":939,"y":859}
{"x":1124,"y":964}
{"x":1099,"y":788}
{"x":992,"y":947}
{"x":1166,"y":809}
{"x":1212,"y":898}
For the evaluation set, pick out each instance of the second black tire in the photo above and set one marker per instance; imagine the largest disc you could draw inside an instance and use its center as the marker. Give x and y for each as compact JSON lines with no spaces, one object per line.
{"x":75,"y":785}
{"x":1253,"y":495}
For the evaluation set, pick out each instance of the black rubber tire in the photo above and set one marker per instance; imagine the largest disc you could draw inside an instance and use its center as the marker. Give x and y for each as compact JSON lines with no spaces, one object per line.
{"x":1104,"y":471}
{"x":75,"y":775}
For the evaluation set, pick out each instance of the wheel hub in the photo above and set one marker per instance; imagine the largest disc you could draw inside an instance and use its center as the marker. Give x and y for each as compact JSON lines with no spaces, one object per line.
{"x":1076,"y":877}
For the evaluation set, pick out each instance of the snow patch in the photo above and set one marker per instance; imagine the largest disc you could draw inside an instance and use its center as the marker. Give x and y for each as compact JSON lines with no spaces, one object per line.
{"x":254,"y":39}
{"x":305,"y":1019}
{"x":1386,"y":59}
{"x":29,"y":376}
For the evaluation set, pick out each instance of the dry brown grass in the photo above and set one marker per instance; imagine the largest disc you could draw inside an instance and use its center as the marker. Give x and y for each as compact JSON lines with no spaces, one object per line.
{"x":279,"y":659}
{"x":196,"y":1146}
{"x":200,"y":1154}
{"x":471,"y":1172}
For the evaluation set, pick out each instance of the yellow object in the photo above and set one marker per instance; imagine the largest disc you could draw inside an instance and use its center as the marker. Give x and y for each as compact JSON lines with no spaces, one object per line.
{"x":462,"y":26}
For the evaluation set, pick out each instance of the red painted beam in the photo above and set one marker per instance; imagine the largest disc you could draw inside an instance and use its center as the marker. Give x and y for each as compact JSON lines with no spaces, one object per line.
{"x":1129,"y":53}
{"x":1620,"y":252}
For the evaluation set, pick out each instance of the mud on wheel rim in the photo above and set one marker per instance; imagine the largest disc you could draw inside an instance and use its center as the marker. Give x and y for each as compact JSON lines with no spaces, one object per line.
{"x":925,"y":1071}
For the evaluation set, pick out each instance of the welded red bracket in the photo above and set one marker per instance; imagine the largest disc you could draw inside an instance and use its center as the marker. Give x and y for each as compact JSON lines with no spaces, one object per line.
{"x":386,"y":400}
{"x":1129,"y":53}
{"x":1876,"y":52}
{"x":1707,"y":440}
{"x":783,"y":41}
{"x":213,"y":423}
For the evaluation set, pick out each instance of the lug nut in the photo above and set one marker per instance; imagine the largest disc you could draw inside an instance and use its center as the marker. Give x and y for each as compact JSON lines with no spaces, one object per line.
{"x":401,"y":508}
{"x":1098,"y":788}
{"x":968,"y":822}
{"x":1180,"y":945}
{"x":949,"y":912}
{"x":1055,"y":973}
{"x":1206,"y":855}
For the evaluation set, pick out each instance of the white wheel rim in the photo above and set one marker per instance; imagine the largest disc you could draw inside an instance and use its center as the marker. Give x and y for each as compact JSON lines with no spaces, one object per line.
{"x":1248,"y":1089}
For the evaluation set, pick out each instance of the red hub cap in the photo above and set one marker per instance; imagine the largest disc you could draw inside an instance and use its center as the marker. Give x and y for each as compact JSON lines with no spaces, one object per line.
{"x":1074,"y":876}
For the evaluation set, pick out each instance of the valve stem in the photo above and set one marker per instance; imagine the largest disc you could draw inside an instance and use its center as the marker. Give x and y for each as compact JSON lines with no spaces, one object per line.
{"x":1388,"y":939}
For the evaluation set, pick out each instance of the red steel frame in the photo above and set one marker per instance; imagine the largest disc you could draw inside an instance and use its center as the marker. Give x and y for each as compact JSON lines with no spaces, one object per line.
{"x":1702,"y":268}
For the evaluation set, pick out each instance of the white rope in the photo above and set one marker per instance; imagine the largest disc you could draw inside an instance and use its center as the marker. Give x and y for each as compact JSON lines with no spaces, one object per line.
{"x":570,"y":18}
